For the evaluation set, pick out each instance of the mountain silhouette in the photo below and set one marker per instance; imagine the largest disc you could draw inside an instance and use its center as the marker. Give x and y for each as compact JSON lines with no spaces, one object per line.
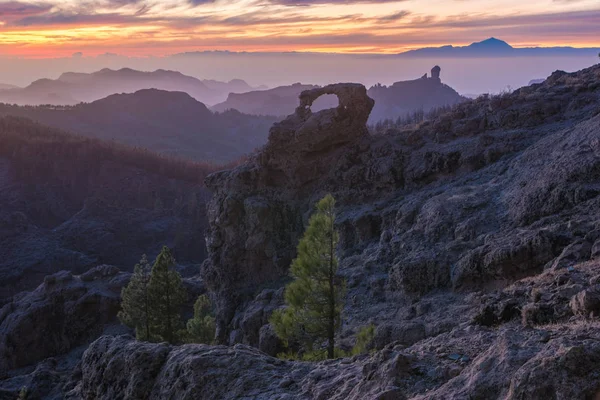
{"x":493,"y":47}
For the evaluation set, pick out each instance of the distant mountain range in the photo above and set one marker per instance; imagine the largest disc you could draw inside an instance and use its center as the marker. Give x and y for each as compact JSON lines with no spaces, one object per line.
{"x":72,"y":88}
{"x":392,"y":101}
{"x":171,"y":123}
{"x":493,"y":47}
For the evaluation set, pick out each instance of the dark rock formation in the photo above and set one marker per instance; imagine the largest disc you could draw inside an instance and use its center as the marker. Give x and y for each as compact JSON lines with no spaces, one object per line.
{"x":63,"y":312}
{"x":435,"y":73}
{"x":406,"y":97}
{"x":250,"y":196}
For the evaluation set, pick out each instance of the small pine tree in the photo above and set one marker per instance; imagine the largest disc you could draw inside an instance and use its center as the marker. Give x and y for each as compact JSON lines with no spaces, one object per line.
{"x":314,"y":297}
{"x":365,"y":336}
{"x":201,"y":328}
{"x":167,"y":295}
{"x":23,"y":393}
{"x":136,"y":303}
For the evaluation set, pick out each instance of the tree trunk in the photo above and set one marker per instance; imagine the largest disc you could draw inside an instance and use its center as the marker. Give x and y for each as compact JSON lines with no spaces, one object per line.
{"x":331,"y":327}
{"x":169,"y":316}
{"x":147,"y":308}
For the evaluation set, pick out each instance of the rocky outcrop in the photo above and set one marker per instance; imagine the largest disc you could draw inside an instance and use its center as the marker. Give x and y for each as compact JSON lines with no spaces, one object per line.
{"x":258,"y":208}
{"x":435,"y":73}
{"x":121,"y":368}
{"x":556,"y":361}
{"x":494,"y":191}
{"x":65,"y":311}
{"x":407,"y":97}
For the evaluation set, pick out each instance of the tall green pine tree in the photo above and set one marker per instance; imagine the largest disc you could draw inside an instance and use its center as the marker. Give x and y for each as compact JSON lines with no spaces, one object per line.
{"x":314,"y":298}
{"x":136,"y":303}
{"x":167,"y":296}
{"x":201,"y":328}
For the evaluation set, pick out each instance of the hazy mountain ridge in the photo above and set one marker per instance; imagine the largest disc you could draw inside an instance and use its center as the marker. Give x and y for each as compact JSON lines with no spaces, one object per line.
{"x":279,"y":101}
{"x":171,"y":123}
{"x":72,"y":87}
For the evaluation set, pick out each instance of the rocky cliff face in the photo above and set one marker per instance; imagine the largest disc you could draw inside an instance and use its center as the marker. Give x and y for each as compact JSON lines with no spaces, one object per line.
{"x":502,"y":188}
{"x":257,"y":212}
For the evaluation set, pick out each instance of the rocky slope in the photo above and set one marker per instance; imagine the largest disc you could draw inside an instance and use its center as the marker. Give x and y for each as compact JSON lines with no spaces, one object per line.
{"x":484,"y":195}
{"x":471,"y":241}
{"x":50,"y":327}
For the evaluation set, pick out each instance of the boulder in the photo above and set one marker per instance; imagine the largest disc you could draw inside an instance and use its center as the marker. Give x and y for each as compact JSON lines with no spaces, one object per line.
{"x":587,"y":302}
{"x":63,"y":312}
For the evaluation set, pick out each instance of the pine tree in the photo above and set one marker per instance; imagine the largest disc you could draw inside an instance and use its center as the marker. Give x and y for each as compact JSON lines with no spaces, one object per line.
{"x":201,"y":328}
{"x":167,"y":295}
{"x":314,"y":297}
{"x":136,"y":302}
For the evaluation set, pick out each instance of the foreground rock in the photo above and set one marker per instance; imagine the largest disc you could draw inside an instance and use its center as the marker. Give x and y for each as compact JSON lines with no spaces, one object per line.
{"x":62,"y":313}
{"x":559,"y":361}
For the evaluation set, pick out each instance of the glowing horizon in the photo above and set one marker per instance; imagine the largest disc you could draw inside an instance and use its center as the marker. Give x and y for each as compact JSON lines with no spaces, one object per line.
{"x":53,"y":28}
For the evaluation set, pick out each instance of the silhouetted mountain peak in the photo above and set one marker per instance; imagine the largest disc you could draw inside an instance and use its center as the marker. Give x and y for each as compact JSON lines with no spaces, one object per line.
{"x":154,"y":101}
{"x":491,"y":43}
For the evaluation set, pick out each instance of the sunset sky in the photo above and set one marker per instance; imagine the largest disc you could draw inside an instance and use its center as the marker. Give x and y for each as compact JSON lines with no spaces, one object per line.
{"x":160,"y":27}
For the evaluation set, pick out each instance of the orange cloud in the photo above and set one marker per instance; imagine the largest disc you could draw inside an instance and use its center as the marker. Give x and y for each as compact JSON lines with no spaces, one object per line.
{"x":140,"y":27}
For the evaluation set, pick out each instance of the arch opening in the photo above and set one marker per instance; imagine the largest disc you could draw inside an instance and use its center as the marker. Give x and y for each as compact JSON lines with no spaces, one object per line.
{"x":324,"y":102}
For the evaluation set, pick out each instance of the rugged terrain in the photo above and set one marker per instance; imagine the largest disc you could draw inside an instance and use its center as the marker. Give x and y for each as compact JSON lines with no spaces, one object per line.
{"x":72,"y":203}
{"x":471,"y":241}
{"x":170,"y":123}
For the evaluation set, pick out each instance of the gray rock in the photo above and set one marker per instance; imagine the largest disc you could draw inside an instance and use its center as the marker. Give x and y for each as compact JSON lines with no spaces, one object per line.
{"x":587,"y":302}
{"x":62,"y":313}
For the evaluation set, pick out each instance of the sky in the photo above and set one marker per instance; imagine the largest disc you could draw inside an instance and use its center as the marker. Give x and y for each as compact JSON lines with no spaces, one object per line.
{"x":138,"y":28}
